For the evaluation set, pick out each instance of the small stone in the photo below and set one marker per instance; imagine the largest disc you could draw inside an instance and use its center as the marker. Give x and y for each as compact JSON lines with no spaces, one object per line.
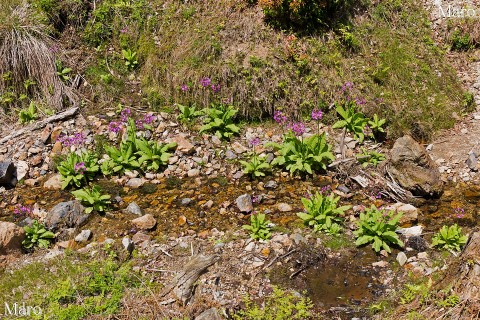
{"x":401,"y":258}
{"x":250,"y":246}
{"x":271,"y":184}
{"x":244,"y":203}
{"x":68,"y":214}
{"x":239,"y":148}
{"x":135,"y":183}
{"x":145,"y":222}
{"x":128,"y":244}
{"x":472,"y":161}
{"x":193,"y":173}
{"x":380,"y":264}
{"x":216,"y":140}
{"x":343,"y":189}
{"x":140,"y":237}
{"x":54,"y":182}
{"x":410,"y":232}
{"x":7,"y":174}
{"x":185,"y":201}
{"x":22,"y":169}
{"x":57,"y":148}
{"x":83,"y":236}
{"x":182,"y":220}
{"x":230,"y":155}
{"x":284,"y":207}
{"x":11,"y":237}
{"x":410,"y":213}
{"x":422,"y":256}
{"x":134,"y":208}
{"x":210,"y":314}
{"x":297,"y":238}
{"x":183,"y":144}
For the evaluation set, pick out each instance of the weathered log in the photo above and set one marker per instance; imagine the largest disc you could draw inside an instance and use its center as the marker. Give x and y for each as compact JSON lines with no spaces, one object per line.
{"x":41,"y":124}
{"x":186,"y":279}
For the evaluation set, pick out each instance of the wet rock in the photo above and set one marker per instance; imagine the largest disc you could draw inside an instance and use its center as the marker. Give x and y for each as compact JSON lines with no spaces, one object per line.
{"x":128,"y":244}
{"x":271,"y":184}
{"x":83,"y":236}
{"x":68,"y":214}
{"x":145,"y":222}
{"x":380,"y":264}
{"x":133,"y":208}
{"x":244,"y":203}
{"x":284,"y":207}
{"x":135,"y":183}
{"x":401,"y":258}
{"x":185,"y":201}
{"x":413,"y":168}
{"x":54,"y":182}
{"x":7,"y":174}
{"x":410,"y":213}
{"x":22,"y":169}
{"x":472,"y":161}
{"x":210,"y":314}
{"x":417,"y":243}
{"x":11,"y":237}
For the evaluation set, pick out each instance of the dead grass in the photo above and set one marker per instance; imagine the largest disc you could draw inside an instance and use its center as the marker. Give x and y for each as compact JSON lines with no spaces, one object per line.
{"x":27,"y":55}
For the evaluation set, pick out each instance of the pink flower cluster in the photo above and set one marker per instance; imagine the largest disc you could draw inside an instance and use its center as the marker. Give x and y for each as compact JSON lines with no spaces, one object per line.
{"x":22,"y":211}
{"x":116,"y":127}
{"x":75,"y":140}
{"x":80,"y":167}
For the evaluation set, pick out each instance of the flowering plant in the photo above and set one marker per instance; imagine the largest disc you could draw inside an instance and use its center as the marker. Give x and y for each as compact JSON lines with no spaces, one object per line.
{"x":220,"y":121}
{"x":352,"y":121}
{"x":92,"y":198}
{"x":78,"y":169}
{"x":257,"y":165}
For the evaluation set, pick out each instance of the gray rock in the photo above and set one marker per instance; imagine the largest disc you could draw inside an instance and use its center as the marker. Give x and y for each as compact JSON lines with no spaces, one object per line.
{"x":128,"y":244}
{"x":133,"y":208}
{"x":472,"y":161}
{"x":68,"y":214}
{"x":230,"y":155}
{"x":22,"y":169}
{"x":413,"y":168}
{"x":140,"y":237}
{"x":11,"y":237}
{"x":271,"y":184}
{"x":185,"y":201}
{"x":410,"y":213}
{"x":216,"y":140}
{"x":83,"y":236}
{"x":343,"y":189}
{"x":54,"y":182}
{"x":7,"y":174}
{"x":244,"y":203}
{"x":210,"y":314}
{"x":270,"y":157}
{"x":135,"y":183}
{"x":193,"y":173}
{"x":417,"y":243}
{"x":401,"y":258}
{"x":297,"y":238}
{"x":145,"y":222}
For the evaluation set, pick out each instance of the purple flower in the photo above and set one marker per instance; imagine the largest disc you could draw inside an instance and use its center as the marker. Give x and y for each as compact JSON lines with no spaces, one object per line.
{"x":124,"y":30}
{"x":215,"y":88}
{"x":148,"y":118}
{"x":360,"y":100}
{"x":254,"y":142}
{"x":279,"y":117}
{"x":75,"y":140}
{"x":114,"y":127}
{"x":347,"y":86}
{"x":21,"y":211}
{"x":205,"y":82}
{"x":125,"y":114}
{"x":317,"y":114}
{"x":80,"y":167}
{"x":139,"y":124}
{"x":184,"y":87}
{"x":325,"y":189}
{"x":298,"y":128}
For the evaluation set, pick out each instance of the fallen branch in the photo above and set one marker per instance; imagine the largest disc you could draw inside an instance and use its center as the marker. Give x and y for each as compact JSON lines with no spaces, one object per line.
{"x":41,"y":124}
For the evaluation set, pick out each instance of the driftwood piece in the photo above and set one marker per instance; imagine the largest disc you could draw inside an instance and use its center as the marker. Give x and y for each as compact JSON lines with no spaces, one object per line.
{"x":41,"y":124}
{"x":185,"y":280}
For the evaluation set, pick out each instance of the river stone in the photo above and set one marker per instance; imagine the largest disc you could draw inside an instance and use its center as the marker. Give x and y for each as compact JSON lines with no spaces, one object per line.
{"x":140,"y":237}
{"x":271,"y":184}
{"x":183,"y":144}
{"x":284,"y":207}
{"x":244,"y":203}
{"x":413,"y":168}
{"x":193,"y":173}
{"x":83,"y":236}
{"x":68,"y":214}
{"x":210,"y":314}
{"x":133,"y":208}
{"x":11,"y":237}
{"x":472,"y":161}
{"x":7,"y":174}
{"x":135,"y":183}
{"x":54,"y":182}
{"x":410,"y":213}
{"x":401,"y":258}
{"x":145,"y":222}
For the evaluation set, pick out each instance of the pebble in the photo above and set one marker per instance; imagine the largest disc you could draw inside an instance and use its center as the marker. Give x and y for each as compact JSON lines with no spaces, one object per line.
{"x":401,"y":258}
{"x":128,"y":244}
{"x":271,"y":184}
{"x":145,"y":222}
{"x":135,"y":182}
{"x":193,"y":173}
{"x":244,"y":203}
{"x":133,"y":208}
{"x":380,"y":264}
{"x":83,"y":236}
{"x":284,"y":207}
{"x":185,"y":201}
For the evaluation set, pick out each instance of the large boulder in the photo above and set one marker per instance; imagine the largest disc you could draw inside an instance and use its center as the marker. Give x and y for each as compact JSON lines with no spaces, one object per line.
{"x":8,"y":174}
{"x":413,"y":168}
{"x":68,"y":214}
{"x":11,"y":237}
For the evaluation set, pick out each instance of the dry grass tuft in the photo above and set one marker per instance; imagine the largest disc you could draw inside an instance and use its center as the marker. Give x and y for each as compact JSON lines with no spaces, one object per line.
{"x":27,"y":54}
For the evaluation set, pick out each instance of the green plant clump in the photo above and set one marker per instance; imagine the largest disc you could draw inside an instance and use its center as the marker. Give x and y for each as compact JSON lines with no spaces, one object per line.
{"x":379,"y":227}
{"x":92,"y":199}
{"x":370,"y":157}
{"x":29,"y":114}
{"x":256,"y":167}
{"x":322,"y":213}
{"x":188,"y":113}
{"x":279,"y":305}
{"x":37,"y":235}
{"x":352,"y":121}
{"x":219,"y":120}
{"x":450,"y":238}
{"x":259,"y":227}
{"x":77,"y":169}
{"x":304,"y":155}
{"x":130,"y":57}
